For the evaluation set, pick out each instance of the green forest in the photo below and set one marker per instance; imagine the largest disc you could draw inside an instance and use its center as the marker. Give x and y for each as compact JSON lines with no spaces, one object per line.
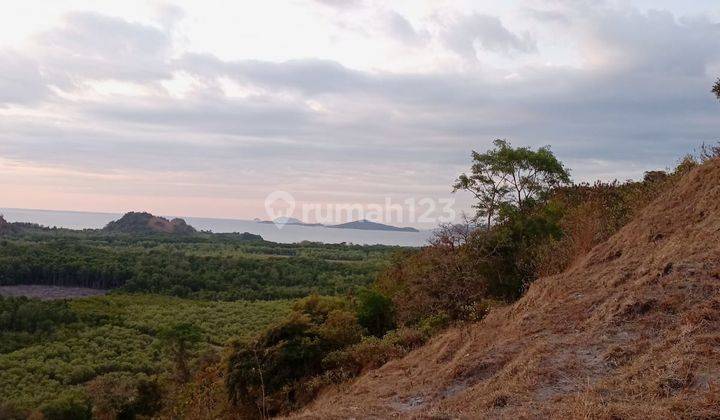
{"x":95,"y":357}
{"x":201,"y":266}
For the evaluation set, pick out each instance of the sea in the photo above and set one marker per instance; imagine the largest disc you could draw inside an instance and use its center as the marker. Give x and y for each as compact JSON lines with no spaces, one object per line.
{"x":269,"y":232}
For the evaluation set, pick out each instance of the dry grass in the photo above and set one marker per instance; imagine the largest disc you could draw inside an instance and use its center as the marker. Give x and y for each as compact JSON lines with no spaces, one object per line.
{"x":631,"y":330}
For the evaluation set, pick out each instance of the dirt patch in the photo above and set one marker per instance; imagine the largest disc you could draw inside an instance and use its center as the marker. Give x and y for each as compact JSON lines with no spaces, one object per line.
{"x":49,"y":292}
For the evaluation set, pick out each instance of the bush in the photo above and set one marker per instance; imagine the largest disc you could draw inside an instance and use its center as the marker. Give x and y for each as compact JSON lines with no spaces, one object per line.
{"x":80,"y":374}
{"x":274,"y":373}
{"x":68,"y":406}
{"x":466,"y":269}
{"x":436,"y":281}
{"x":10,"y":412}
{"x":373,"y":352}
{"x":340,"y":329}
{"x":120,"y":395}
{"x":375,"y":312}
{"x":453,"y":281}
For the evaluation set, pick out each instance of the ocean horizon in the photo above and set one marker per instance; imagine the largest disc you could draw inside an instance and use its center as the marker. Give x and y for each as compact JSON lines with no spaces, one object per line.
{"x":71,"y":219}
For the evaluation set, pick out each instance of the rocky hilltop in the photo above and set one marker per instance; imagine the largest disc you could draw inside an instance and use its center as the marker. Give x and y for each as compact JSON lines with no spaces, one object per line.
{"x":5,"y":227}
{"x":631,"y":330}
{"x":145,"y":223}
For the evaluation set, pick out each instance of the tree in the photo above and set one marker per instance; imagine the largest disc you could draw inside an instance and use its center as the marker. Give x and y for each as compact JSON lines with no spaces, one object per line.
{"x":181,"y":340}
{"x":716,"y":89}
{"x":375,"y":312}
{"x":510,"y":178}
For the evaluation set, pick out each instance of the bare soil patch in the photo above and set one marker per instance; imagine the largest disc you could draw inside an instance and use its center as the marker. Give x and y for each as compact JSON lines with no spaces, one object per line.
{"x":49,"y":292}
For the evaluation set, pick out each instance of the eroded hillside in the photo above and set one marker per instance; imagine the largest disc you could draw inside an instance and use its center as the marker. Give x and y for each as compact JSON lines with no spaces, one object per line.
{"x":630,"y":330}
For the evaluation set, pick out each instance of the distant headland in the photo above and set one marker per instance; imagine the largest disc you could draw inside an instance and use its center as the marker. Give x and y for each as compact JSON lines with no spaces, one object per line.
{"x":358,"y":224}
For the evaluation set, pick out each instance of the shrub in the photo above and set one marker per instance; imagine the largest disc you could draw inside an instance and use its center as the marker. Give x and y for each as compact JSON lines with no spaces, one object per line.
{"x":375,"y":312}
{"x":274,"y":373}
{"x":436,"y":281}
{"x":340,"y":329}
{"x":467,"y":269}
{"x":11,"y":412}
{"x":453,"y":279}
{"x":319,"y":307}
{"x":120,"y":395}
{"x":372,"y":352}
{"x":80,"y":374}
{"x":68,"y":406}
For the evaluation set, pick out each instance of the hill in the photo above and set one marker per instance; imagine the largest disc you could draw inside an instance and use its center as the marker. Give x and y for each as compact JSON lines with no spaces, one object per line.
{"x":368,"y":225}
{"x":630,"y":330}
{"x":5,"y":227}
{"x":146,"y":223}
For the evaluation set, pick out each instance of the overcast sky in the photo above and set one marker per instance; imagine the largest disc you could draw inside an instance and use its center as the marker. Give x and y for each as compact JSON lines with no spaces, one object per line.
{"x":202,"y":108}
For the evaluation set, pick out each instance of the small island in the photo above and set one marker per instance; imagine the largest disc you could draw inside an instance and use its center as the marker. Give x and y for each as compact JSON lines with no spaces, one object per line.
{"x":368,"y":225}
{"x":363,"y":224}
{"x":288,"y":221}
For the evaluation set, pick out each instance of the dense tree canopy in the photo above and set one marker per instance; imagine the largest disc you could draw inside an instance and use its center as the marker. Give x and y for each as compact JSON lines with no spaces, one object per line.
{"x":223,"y":267}
{"x":101,"y":356}
{"x":508,"y":178}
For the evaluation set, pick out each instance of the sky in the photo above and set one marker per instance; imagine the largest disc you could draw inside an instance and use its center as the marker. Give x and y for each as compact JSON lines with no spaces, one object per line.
{"x":203,"y":108}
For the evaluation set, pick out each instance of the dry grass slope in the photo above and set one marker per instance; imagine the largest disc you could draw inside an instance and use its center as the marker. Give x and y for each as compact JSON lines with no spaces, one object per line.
{"x":631,"y":330}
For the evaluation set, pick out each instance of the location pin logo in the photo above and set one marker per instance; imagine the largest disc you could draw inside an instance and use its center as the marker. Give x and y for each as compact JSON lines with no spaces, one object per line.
{"x":279,"y":206}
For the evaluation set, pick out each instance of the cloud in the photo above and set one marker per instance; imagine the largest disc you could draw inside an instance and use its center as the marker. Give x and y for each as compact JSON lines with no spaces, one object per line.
{"x":654,"y":41}
{"x":91,"y":46}
{"x":639,"y":98}
{"x":312,"y":76}
{"x":340,"y":4}
{"x":612,"y":115}
{"x":400,"y":28}
{"x":20,"y":79}
{"x":169,"y":15}
{"x":466,"y":34}
{"x":258,"y":116}
{"x":548,"y":16}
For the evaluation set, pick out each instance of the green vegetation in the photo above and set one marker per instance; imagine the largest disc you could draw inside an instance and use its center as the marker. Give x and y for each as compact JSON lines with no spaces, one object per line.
{"x":507,"y":180}
{"x":153,"y":345}
{"x":90,"y":341}
{"x":202,"y":266}
{"x":321,"y":342}
{"x":529,"y":224}
{"x":177,"y":300}
{"x":181,"y":342}
{"x":538,"y":232}
{"x":25,"y":321}
{"x":458,"y":277}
